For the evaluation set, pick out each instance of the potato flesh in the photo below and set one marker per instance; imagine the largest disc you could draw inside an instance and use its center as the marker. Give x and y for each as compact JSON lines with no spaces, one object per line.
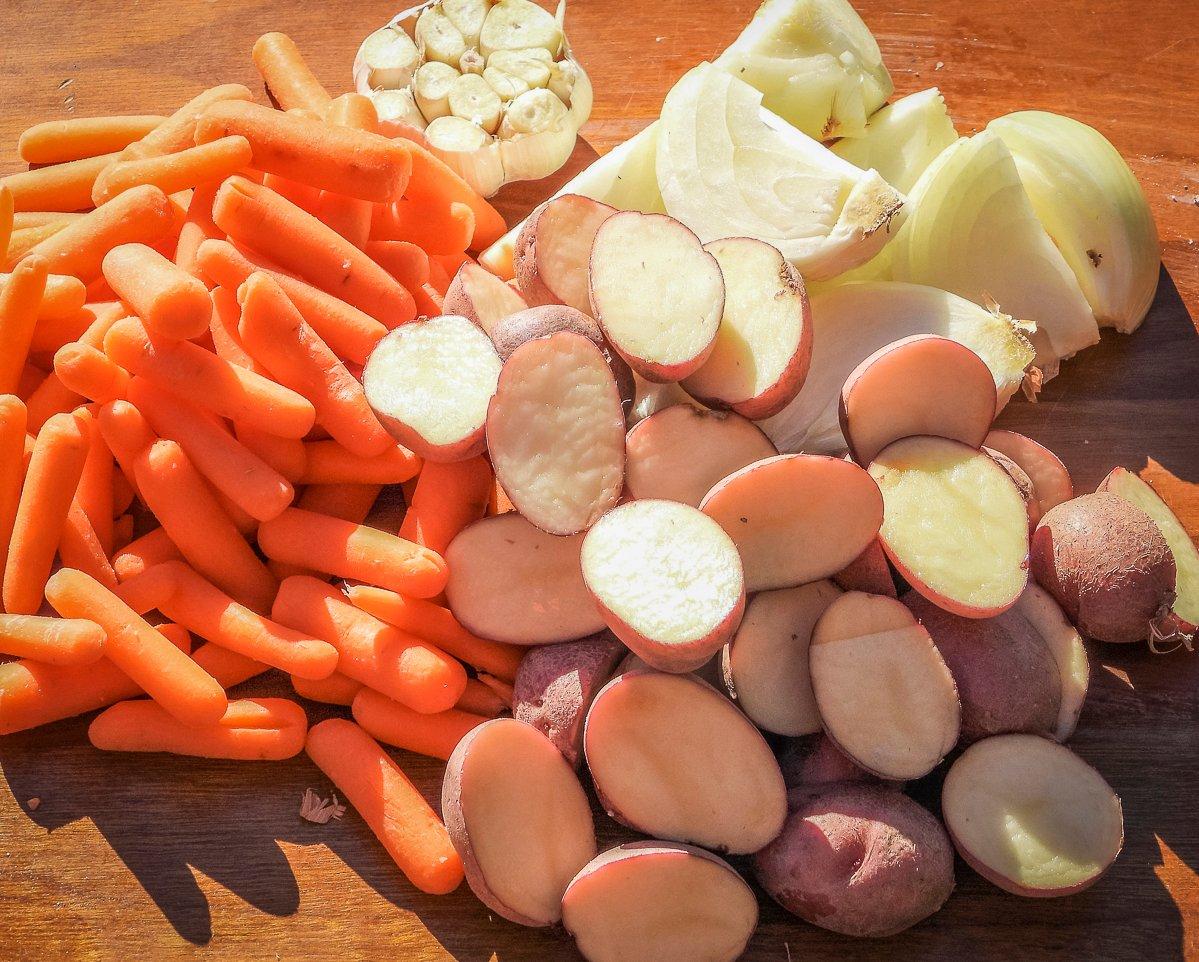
{"x":955,"y":522}
{"x":711,"y":781}
{"x":1051,"y":482}
{"x":555,"y":431}
{"x":565,"y":230}
{"x":1033,"y":814}
{"x":680,"y":452}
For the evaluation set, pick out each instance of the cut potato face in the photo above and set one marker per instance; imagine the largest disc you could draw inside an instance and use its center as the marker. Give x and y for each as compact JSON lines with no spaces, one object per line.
{"x":1051,"y":482}
{"x":659,"y":900}
{"x":711,"y":781}
{"x":764,"y":342}
{"x":796,"y":518}
{"x":518,"y":818}
{"x":918,"y":385}
{"x":480,"y":296}
{"x":667,"y":580}
{"x":884,"y":692}
{"x":510,"y":581}
{"x":1031,"y":816}
{"x":954,"y":524}
{"x":657,"y":293}
{"x":555,"y":431}
{"x":680,"y":452}
{"x":429,"y":383}
{"x":553,"y":251}
{"x":766,"y":664}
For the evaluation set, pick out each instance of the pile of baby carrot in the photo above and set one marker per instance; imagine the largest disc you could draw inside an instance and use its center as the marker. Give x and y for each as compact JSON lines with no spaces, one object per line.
{"x":186,"y":450}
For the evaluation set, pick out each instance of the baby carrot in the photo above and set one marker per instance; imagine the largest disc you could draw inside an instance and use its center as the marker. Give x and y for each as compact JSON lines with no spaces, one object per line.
{"x":171,"y":303}
{"x":388,"y":802}
{"x":141,"y":215}
{"x":502,"y":689}
{"x":64,"y":308}
{"x":127,"y":434}
{"x":197,"y":227}
{"x":286,"y":75}
{"x":275,"y":335}
{"x":349,"y":216}
{"x":55,"y":641}
{"x":394,"y":724}
{"x":350,"y":502}
{"x":80,"y":548}
{"x":329,"y":463}
{"x":337,"y":689}
{"x":90,"y":373}
{"x":62,"y":187}
{"x":438,"y":626}
{"x":434,"y":186}
{"x":352,"y":551}
{"x":229,"y":465}
{"x":164,"y":672}
{"x":122,"y":525}
{"x":498,"y":502}
{"x":13,"y":420}
{"x":177,"y":494}
{"x":222,"y":328}
{"x":148,"y":551}
{"x":478,"y":699}
{"x":444,"y":230}
{"x":95,"y":491}
{"x":58,"y":141}
{"x":52,"y":396}
{"x":210,"y":381}
{"x":287,"y":456}
{"x":447,"y":498}
{"x":227,"y":667}
{"x":376,"y":654}
{"x":303,"y":196}
{"x":6,"y":217}
{"x":439,"y":280}
{"x":23,"y":241}
{"x":403,"y":260}
{"x":23,"y":219}
{"x":122,"y":498}
{"x":299,"y":243}
{"x":252,"y":730}
{"x":30,"y":380}
{"x":208,"y":163}
{"x":50,"y":483}
{"x":20,"y":301}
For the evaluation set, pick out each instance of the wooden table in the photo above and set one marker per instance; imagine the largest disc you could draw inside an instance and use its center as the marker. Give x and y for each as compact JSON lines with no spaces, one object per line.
{"x":162,"y":858}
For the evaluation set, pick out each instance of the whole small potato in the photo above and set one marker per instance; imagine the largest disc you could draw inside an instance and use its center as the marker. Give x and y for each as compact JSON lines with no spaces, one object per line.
{"x":812,"y":763}
{"x":1107,"y":564}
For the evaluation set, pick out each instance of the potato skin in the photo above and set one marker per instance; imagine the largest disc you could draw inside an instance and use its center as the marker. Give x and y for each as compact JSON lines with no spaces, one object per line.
{"x":1007,"y":680}
{"x":812,"y":763}
{"x":860,"y":860}
{"x":1107,"y":564}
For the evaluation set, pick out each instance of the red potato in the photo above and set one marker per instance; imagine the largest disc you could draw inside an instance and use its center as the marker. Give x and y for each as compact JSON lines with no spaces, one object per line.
{"x":954,"y":525}
{"x":510,"y":581}
{"x":518,"y":818}
{"x":680,"y":452}
{"x":796,"y":518}
{"x":918,"y":385}
{"x":765,"y":666}
{"x":885,"y":694}
{"x":811,"y":763}
{"x":1050,"y":479}
{"x":429,"y":382}
{"x":553,"y":251}
{"x":657,"y":293}
{"x":710,"y":672}
{"x":710,"y":781}
{"x":1032,"y":817}
{"x":1108,"y":565}
{"x":555,"y":431}
{"x":555,"y":685}
{"x":1022,"y":481}
{"x":667,"y":581}
{"x":659,"y":900}
{"x":861,"y":860}
{"x":868,"y":572}
{"x":478,"y":295}
{"x":764,"y":342}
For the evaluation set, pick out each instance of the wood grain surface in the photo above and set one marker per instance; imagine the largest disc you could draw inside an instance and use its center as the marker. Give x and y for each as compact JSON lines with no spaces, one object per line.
{"x":152,"y":857}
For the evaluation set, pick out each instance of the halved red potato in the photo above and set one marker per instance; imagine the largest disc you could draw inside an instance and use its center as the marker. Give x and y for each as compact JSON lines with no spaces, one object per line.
{"x":673,"y":758}
{"x":766,"y":664}
{"x":885,"y":694}
{"x":519,"y":819}
{"x":764,"y":343}
{"x":555,"y":432}
{"x":922,"y":384}
{"x":680,"y":452}
{"x":1032,"y":817}
{"x":1050,"y":480}
{"x":1022,"y":481}
{"x":478,"y":295}
{"x":659,"y":900}
{"x":657,"y":293}
{"x":796,"y":518}
{"x":667,"y":581}
{"x":510,"y":581}
{"x":429,"y":383}
{"x":954,"y":524}
{"x":868,"y":572}
{"x":553,"y":251}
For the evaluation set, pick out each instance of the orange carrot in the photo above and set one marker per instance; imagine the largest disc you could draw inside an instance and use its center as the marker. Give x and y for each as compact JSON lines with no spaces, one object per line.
{"x":210,"y":381}
{"x":275,"y":335}
{"x":227,"y":667}
{"x":305,"y":197}
{"x":429,"y":301}
{"x":90,"y":373}
{"x":286,"y":75}
{"x":434,"y":186}
{"x":439,"y":280}
{"x":252,"y":729}
{"x":233,"y":469}
{"x":301,"y":244}
{"x":436,"y":230}
{"x":348,"y":216}
{"x":437,"y":625}
{"x":80,"y":548}
{"x":502,"y":689}
{"x":329,"y":463}
{"x":353,"y":110}
{"x":499,"y":502}
{"x":122,"y":496}
{"x":403,"y":260}
{"x":52,"y":396}
{"x":31,"y":379}
{"x":50,"y":483}
{"x":63,"y":187}
{"x":337,"y":689}
{"x":141,"y":554}
{"x":13,"y":420}
{"x":55,"y":641}
{"x":95,"y":491}
{"x":23,"y":219}
{"x":448,"y":497}
{"x":59,"y":141}
{"x":175,"y":491}
{"x":127,"y":434}
{"x":394,"y":724}
{"x":23,"y":241}
{"x":141,"y":215}
{"x":352,"y":551}
{"x":478,"y":699}
{"x":197,"y":227}
{"x":389,"y":803}
{"x":287,"y":456}
{"x":210,"y":162}
{"x":19,"y":303}
{"x":171,"y":303}
{"x":166,"y":674}
{"x":222,"y":328}
{"x":350,"y":502}
{"x":63,"y":315}
{"x":6,"y":217}
{"x":122,"y":526}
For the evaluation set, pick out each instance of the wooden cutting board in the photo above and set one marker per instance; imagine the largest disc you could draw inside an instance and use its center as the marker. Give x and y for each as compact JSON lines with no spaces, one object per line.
{"x":163,"y":858}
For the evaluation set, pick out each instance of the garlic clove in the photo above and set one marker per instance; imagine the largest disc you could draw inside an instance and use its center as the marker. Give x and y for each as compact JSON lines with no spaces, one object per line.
{"x":431,"y":88}
{"x":396,"y":108}
{"x":472,"y":62}
{"x":505,"y":84}
{"x":532,"y":65}
{"x":517,"y":24}
{"x":456,"y":134}
{"x":438,"y":39}
{"x":471,"y":98}
{"x":533,"y":112}
{"x":389,"y":57}
{"x":467,"y":16}
{"x":468,"y":150}
{"x":563,"y":77}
